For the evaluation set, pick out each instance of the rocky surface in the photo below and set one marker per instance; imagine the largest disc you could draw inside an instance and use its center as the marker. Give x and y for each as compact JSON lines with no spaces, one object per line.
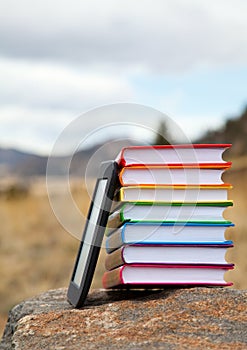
{"x":181,"y":318}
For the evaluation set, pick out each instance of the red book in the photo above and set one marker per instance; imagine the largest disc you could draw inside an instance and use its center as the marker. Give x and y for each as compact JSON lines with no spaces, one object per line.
{"x":149,"y":276}
{"x":172,"y":154}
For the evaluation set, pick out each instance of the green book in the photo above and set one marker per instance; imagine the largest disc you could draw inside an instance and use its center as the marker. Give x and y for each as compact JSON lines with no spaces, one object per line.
{"x":173,"y":212}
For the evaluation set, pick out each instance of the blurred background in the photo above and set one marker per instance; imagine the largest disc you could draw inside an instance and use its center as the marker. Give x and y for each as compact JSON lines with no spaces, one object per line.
{"x":62,"y":59}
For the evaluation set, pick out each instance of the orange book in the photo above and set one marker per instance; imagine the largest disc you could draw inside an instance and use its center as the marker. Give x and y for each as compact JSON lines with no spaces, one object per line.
{"x":179,"y":174}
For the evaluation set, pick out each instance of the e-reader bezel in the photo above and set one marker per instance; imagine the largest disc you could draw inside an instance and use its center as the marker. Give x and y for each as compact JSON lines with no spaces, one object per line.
{"x":77,"y":293}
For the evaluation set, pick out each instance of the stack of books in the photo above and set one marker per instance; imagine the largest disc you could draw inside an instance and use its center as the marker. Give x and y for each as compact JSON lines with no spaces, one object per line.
{"x":167,"y":225}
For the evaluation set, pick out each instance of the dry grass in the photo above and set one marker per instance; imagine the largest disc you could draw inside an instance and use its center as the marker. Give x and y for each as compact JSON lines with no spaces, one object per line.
{"x":238,"y":213}
{"x":37,"y":254}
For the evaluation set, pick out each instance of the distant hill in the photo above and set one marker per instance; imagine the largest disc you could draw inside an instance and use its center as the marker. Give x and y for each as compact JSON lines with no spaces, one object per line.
{"x":23,"y":164}
{"x":17,"y":163}
{"x":233,"y":131}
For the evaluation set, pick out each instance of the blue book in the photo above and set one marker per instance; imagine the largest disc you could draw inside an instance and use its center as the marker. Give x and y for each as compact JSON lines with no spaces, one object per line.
{"x":168,"y":233}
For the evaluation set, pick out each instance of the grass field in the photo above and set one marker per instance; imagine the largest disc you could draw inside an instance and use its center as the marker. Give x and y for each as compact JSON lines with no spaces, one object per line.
{"x":37,"y":254}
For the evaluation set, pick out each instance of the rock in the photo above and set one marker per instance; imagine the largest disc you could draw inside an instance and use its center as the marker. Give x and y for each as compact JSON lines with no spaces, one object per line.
{"x":174,"y":318}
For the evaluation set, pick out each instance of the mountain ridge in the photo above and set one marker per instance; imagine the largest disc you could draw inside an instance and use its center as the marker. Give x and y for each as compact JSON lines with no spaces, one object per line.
{"x":25,"y":164}
{"x":233,"y":131}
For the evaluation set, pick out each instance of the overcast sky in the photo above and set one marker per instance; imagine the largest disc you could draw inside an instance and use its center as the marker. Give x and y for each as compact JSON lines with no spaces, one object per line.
{"x":59,"y":59}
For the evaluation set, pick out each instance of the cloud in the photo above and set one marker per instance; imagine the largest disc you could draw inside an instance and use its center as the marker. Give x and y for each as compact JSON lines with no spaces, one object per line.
{"x":160,"y":36}
{"x":38,"y":129}
{"x":61,"y":58}
{"x":30,"y":129}
{"x":43,"y":85}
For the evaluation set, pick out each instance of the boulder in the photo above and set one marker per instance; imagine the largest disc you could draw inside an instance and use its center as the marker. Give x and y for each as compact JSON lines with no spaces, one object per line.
{"x":173,"y":318}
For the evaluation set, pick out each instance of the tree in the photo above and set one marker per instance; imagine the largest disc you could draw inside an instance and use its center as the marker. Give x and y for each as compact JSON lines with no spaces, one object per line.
{"x":162,"y":135}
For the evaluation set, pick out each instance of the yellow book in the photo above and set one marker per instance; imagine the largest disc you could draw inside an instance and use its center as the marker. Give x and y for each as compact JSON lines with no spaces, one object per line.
{"x":175,"y":193}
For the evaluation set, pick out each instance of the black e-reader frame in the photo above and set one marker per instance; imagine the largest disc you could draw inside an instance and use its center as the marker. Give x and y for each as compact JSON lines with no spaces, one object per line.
{"x":93,"y":233}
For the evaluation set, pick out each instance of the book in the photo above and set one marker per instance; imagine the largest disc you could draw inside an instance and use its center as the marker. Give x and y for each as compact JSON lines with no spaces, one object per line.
{"x":160,"y":275}
{"x":195,"y":174}
{"x":166,"y":233}
{"x":211,"y":212}
{"x":168,"y":254}
{"x":172,"y":154}
{"x":167,"y":224}
{"x":175,"y":193}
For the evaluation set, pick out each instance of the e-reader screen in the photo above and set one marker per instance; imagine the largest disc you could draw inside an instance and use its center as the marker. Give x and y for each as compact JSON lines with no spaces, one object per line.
{"x":89,"y":234}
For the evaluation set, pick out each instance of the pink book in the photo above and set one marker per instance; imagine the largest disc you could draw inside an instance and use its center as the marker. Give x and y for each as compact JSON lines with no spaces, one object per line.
{"x":149,"y":276}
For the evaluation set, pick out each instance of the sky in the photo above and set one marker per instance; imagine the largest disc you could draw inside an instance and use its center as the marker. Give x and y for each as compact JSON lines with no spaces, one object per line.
{"x":59,"y":60}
